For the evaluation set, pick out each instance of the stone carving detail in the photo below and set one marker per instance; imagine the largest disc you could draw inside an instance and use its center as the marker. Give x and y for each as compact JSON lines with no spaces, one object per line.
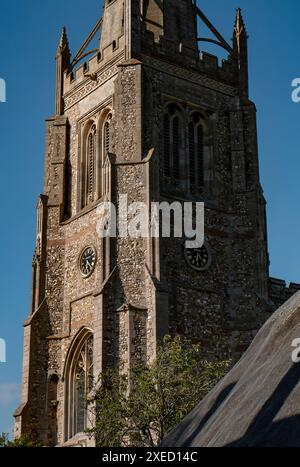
{"x":78,"y":94}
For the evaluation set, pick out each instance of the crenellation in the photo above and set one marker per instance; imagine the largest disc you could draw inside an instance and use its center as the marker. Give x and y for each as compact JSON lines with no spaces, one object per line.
{"x":208,"y":62}
{"x":225,"y":71}
{"x":80,"y":73}
{"x":280,"y":292}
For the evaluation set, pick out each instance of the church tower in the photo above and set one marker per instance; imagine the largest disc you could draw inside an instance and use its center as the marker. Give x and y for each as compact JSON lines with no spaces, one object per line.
{"x":152,"y":116}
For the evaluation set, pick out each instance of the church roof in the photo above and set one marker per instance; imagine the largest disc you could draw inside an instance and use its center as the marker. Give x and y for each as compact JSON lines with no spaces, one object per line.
{"x":258,"y":403}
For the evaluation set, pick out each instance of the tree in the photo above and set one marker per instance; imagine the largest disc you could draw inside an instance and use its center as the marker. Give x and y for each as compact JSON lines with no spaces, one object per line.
{"x":17,"y":443}
{"x":140,"y":408}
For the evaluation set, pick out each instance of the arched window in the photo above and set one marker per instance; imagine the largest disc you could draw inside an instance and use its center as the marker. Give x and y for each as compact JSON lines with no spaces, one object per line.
{"x":79,"y":384}
{"x":167,"y":149}
{"x":172,"y":142}
{"x":96,"y":146}
{"x":106,"y":136}
{"x":175,"y":147}
{"x":89,"y":165}
{"x":196,"y":152}
{"x":106,"y":140}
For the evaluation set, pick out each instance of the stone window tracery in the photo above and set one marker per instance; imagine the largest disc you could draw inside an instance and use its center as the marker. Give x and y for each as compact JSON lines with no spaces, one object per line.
{"x":96,"y":146}
{"x":187,"y":157}
{"x":80,"y":384}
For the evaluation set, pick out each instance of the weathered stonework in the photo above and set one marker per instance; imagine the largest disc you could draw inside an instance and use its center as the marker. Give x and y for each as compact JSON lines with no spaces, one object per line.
{"x":142,"y":288}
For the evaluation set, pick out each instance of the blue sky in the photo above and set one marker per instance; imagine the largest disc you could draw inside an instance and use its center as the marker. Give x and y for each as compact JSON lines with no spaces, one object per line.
{"x":29,"y":33}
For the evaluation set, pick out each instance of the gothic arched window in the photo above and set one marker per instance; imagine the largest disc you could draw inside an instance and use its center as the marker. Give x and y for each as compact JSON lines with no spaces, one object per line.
{"x":172,"y":141}
{"x":96,"y":146}
{"x":196,"y":152}
{"x":167,"y":149}
{"x":80,"y":384}
{"x":106,"y":136}
{"x":106,"y":140}
{"x":89,"y":166}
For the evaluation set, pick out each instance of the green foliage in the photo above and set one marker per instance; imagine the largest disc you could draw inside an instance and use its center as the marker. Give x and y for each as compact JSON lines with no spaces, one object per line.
{"x":139,"y":409}
{"x":17,"y":443}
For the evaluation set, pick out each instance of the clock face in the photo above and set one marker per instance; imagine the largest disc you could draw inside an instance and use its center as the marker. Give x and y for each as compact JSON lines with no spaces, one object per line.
{"x":87,"y":261}
{"x":198,"y":258}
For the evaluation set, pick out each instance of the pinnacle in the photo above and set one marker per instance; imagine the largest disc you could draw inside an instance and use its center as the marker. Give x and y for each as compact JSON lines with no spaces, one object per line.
{"x":239,"y":23}
{"x":63,"y":43}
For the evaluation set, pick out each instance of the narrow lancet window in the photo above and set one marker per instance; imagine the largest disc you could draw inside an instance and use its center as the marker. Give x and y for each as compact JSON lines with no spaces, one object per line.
{"x":89,"y":165}
{"x":172,"y":130}
{"x":196,"y":152}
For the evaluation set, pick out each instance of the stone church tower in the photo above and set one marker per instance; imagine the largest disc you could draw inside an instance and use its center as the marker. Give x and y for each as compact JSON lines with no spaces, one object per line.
{"x":149,"y":116}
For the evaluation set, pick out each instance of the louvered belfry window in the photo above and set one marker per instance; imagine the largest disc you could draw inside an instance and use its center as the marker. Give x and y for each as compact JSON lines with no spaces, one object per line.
{"x":172,"y":142}
{"x":175,"y":147}
{"x":105,"y":149}
{"x":196,"y":152}
{"x":106,"y":136}
{"x":91,"y":162}
{"x":192,"y":153}
{"x":96,"y":146}
{"x":90,"y":167}
{"x":167,"y":146}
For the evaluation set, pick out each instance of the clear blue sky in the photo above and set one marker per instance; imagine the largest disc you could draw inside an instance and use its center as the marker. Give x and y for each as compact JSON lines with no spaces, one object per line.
{"x":29,"y":33}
